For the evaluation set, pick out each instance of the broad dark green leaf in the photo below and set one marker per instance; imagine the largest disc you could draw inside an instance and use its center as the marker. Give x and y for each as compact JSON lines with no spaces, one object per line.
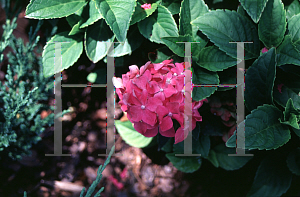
{"x":44,"y":9}
{"x":140,"y":13}
{"x":294,"y":30}
{"x":291,"y":115}
{"x":190,"y":10}
{"x":262,"y":130}
{"x":254,"y":8}
{"x":91,"y":14}
{"x":161,"y":54}
{"x":293,"y":9}
{"x":213,"y":59}
{"x":223,"y":27}
{"x":272,"y":25}
{"x":160,"y":24}
{"x":293,"y":161}
{"x":177,"y":48}
{"x":259,"y":80}
{"x":287,"y":53}
{"x":130,"y":135}
{"x":172,"y":5}
{"x":117,"y":15}
{"x":228,"y":76}
{"x":272,"y":178}
{"x":71,"y":49}
{"x":96,"y":42}
{"x":187,"y":164}
{"x":285,"y":93}
{"x":202,"y":76}
{"x":218,"y":156}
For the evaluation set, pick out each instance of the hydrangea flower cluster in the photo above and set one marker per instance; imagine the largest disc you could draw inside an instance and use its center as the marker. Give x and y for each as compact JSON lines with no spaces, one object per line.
{"x":154,"y":95}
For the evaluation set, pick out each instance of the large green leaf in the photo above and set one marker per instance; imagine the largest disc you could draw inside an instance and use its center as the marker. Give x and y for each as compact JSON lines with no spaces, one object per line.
{"x":272,"y":25}
{"x":190,"y":10}
{"x":140,"y":13}
{"x":262,"y":129}
{"x":227,"y":76}
{"x":287,"y":53}
{"x":291,"y":115}
{"x":160,"y":24}
{"x":259,"y":81}
{"x":218,"y":156}
{"x":213,"y":59}
{"x":130,"y":135}
{"x":202,"y":76}
{"x":293,"y":9}
{"x":117,"y":15}
{"x":272,"y":178}
{"x":254,"y":8}
{"x":71,"y":49}
{"x":177,"y":48}
{"x":293,"y":161}
{"x":96,"y":42}
{"x":294,"y":30}
{"x":187,"y":164}
{"x":162,"y":54}
{"x":91,"y":13}
{"x":44,"y":9}
{"x":222,"y":27}
{"x":172,"y":5}
{"x":286,"y":93}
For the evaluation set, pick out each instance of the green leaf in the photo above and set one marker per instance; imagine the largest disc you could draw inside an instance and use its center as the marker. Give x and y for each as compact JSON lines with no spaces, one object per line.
{"x":272,"y":178}
{"x":287,"y":53}
{"x":140,"y":13}
{"x":218,"y":156}
{"x":162,"y":54}
{"x":117,"y":15}
{"x":262,"y":129}
{"x":293,"y":161}
{"x":172,"y":5}
{"x":272,"y":25}
{"x":204,"y":145}
{"x":291,"y":115}
{"x":254,"y":8}
{"x":71,"y":49}
{"x":213,"y":59}
{"x":44,"y":9}
{"x":177,"y":48}
{"x":92,"y":77}
{"x":96,"y":43}
{"x":168,"y":147}
{"x":187,"y":164}
{"x":91,"y":13}
{"x":293,"y":9}
{"x":227,"y":76}
{"x":190,"y":10}
{"x":294,"y":31}
{"x":130,"y":135}
{"x":222,"y":27}
{"x":259,"y":81}
{"x":286,"y":93}
{"x":202,"y":76}
{"x":160,"y":24}
{"x":99,"y":76}
{"x":296,"y":131}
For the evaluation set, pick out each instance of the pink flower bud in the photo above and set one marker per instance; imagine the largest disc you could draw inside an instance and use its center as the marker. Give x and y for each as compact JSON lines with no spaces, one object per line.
{"x":146,"y":6}
{"x":264,"y":50}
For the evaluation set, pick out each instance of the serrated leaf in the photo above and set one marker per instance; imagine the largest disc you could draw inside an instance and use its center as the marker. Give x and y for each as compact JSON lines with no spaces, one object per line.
{"x":140,"y":13}
{"x":291,"y":115}
{"x":263,"y":130}
{"x":254,"y":8}
{"x":172,"y":5}
{"x":272,"y":178}
{"x":272,"y":25}
{"x":96,"y":43}
{"x":117,"y":15}
{"x":218,"y":156}
{"x":213,"y":59}
{"x":130,"y":135}
{"x":287,"y":53}
{"x":223,"y":27}
{"x":293,"y":9}
{"x":160,"y":24}
{"x":91,"y":13}
{"x":71,"y":49}
{"x":190,"y":10}
{"x":293,"y":161}
{"x":177,"y":48}
{"x":44,"y":9}
{"x":294,"y":31}
{"x":286,"y":93}
{"x":259,"y":81}
{"x":202,"y":76}
{"x":187,"y":164}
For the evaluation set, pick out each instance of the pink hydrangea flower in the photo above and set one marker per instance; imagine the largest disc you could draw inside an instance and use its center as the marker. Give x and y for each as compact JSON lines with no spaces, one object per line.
{"x":264,"y":50}
{"x":153,"y":96}
{"x":146,"y":6}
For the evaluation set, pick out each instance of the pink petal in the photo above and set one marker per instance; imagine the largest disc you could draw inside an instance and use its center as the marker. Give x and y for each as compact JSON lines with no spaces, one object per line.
{"x":168,"y":133}
{"x":161,"y":111}
{"x":264,"y":50}
{"x":153,"y":87}
{"x":146,"y":6}
{"x":166,"y":123}
{"x":118,"y":82}
{"x":133,"y":100}
{"x":148,"y":117}
{"x":170,"y":91}
{"x":179,"y":135}
{"x":173,"y":107}
{"x":151,"y":132}
{"x":179,"y":118}
{"x":136,"y":113}
{"x":141,"y":127}
{"x":160,"y":96}
{"x":153,"y":103}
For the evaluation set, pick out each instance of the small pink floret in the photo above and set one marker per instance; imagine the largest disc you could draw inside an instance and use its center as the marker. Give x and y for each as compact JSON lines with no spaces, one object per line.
{"x":264,"y":50}
{"x":279,"y":86}
{"x":146,"y":6}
